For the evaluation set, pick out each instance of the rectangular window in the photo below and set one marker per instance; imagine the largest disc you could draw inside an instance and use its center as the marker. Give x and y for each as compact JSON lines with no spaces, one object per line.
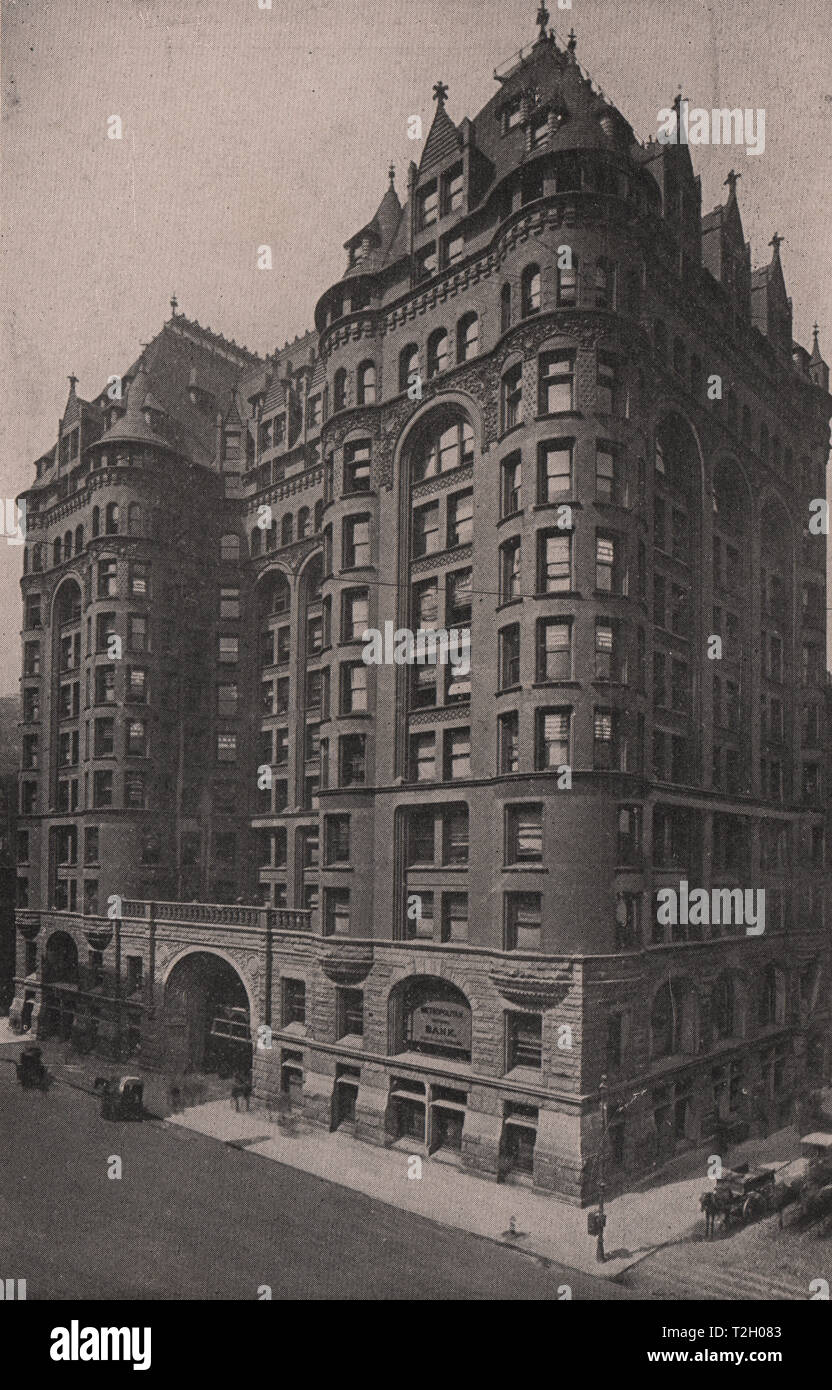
{"x":350,"y":1013}
{"x":229,"y":603}
{"x":508,"y":739}
{"x":226,"y":748}
{"x":107,"y":578}
{"x":554,"y":471}
{"x":555,"y":383}
{"x":510,"y":558}
{"x":104,"y":738}
{"x":455,"y":917}
{"x":457,"y":754}
{"x":355,"y":614}
{"x":227,"y":699}
{"x":604,"y":739}
{"x":552,"y":738}
{"x":554,"y":650}
{"x":609,"y":570}
{"x":423,"y":757}
{"x":554,"y":563}
{"x":512,"y":397}
{"x":420,"y":923}
{"x":337,"y":912}
{"x":426,"y":530}
{"x":426,"y":261}
{"x":356,"y":542}
{"x":453,"y":248}
{"x":337,"y":839}
{"x":353,"y":687}
{"x":606,"y":386}
{"x":427,"y":205}
{"x":353,"y":770}
{"x":510,"y":493}
{"x":137,"y":633}
{"x":524,"y":834}
{"x":136,"y":693}
{"x":455,"y":835}
{"x":105,"y":686}
{"x":523,"y":921}
{"x":357,"y":466}
{"x":229,"y":649}
{"x":524,"y":1041}
{"x":452,"y":190}
{"x":461,"y":518}
{"x":102,"y":788}
{"x":294,"y":1002}
{"x":509,"y":653}
{"x":425,"y":604}
{"x":458,"y":595}
{"x":608,"y":480}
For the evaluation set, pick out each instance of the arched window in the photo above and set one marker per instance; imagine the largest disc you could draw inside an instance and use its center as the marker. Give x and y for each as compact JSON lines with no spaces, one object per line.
{"x":303,"y":522}
{"x":256,"y":541}
{"x":111,"y":519}
{"x":444,"y":443}
{"x":96,"y":521}
{"x":511,"y":397}
{"x":134,"y":519}
{"x":229,"y":547}
{"x":286,"y":529}
{"x":467,"y":338}
{"x":367,"y":383}
{"x":274,"y":594}
{"x":437,"y":352}
{"x":568,"y":284}
{"x":530,"y":291}
{"x":79,"y":539}
{"x":604,"y":284}
{"x":408,"y":366}
{"x":339,"y":389}
{"x":56,"y":551}
{"x":68,"y":545}
{"x":319,"y":516}
{"x":505,"y":308}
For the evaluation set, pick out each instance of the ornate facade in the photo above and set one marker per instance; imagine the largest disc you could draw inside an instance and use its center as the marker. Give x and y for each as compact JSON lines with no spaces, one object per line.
{"x":548,"y":402}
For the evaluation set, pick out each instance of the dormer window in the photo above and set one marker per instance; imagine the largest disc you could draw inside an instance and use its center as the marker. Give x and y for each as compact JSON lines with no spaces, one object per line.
{"x":452,"y":190}
{"x":427,"y":206}
{"x":512,"y":115}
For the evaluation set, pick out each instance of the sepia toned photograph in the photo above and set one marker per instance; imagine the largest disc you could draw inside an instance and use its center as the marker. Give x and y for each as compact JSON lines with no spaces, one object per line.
{"x":416,"y":718}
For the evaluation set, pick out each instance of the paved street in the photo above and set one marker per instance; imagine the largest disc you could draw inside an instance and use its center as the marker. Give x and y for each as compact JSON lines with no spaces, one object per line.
{"x":192,"y":1218}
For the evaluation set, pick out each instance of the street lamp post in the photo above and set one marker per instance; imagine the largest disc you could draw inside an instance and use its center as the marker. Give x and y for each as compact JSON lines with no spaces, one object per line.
{"x":600,"y":1254}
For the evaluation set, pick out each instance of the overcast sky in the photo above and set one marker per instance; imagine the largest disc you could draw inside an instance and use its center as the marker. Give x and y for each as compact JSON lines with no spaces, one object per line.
{"x":245,"y":126}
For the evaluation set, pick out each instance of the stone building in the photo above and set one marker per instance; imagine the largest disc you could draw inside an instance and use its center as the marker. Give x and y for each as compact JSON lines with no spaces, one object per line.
{"x":549,"y":403}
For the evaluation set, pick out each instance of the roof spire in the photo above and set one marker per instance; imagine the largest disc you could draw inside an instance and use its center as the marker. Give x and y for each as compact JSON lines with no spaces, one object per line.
{"x":174,"y":304}
{"x":391,"y":174}
{"x":73,"y":381}
{"x":817,"y":356}
{"x":542,"y":20}
{"x":440,"y":95}
{"x":573,"y":41}
{"x":776,"y":242}
{"x":731,"y":183}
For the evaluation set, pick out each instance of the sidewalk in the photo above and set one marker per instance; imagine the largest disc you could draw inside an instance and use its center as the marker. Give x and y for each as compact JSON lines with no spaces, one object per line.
{"x":664,"y":1210}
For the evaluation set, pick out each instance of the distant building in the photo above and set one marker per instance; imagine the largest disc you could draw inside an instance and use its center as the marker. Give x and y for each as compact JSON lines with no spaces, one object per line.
{"x":548,"y":403}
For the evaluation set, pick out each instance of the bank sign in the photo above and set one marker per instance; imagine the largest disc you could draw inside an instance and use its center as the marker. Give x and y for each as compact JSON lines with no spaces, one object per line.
{"x":440,"y":1022}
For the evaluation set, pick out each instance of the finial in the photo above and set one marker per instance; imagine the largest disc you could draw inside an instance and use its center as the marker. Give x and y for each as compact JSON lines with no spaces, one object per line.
{"x":391,"y":173}
{"x":72,"y":384}
{"x":815,"y":331}
{"x":440,"y":94}
{"x":174,"y":304}
{"x":731,"y":182}
{"x":573,"y":41}
{"x":542,"y":20}
{"x":776,"y":242}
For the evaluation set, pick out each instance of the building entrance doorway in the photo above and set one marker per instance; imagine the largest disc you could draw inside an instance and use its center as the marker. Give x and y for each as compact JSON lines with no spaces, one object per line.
{"x":207,"y":1017}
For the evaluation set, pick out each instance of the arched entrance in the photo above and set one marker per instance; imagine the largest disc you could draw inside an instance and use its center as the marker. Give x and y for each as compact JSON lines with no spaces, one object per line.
{"x":60,"y":986}
{"x":207,"y":1016}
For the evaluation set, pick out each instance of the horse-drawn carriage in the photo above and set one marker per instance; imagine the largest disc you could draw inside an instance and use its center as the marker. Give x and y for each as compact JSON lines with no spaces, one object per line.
{"x":739,"y":1196}
{"x":30,"y":1069}
{"x":122,"y":1098}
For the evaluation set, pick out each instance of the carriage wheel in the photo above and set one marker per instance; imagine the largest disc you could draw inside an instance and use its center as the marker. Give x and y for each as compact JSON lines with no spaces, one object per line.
{"x":753,"y":1207}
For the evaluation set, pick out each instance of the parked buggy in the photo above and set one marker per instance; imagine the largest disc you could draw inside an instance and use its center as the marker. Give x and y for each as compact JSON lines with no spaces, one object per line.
{"x":121,"y":1098}
{"x":30,"y":1069}
{"x":740,"y":1196}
